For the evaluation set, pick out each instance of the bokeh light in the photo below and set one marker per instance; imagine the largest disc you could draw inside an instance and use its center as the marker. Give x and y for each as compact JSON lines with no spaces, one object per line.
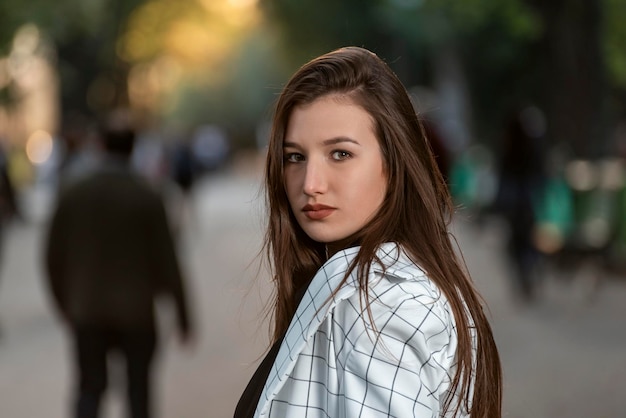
{"x":39,"y":147}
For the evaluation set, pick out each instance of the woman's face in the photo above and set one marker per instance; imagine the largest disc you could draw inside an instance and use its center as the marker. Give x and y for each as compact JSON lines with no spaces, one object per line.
{"x":333,"y":166}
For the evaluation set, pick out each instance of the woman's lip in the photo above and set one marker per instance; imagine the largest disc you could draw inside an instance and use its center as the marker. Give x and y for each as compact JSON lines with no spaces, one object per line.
{"x":317,"y":211}
{"x":318,"y":214}
{"x":316,"y":206}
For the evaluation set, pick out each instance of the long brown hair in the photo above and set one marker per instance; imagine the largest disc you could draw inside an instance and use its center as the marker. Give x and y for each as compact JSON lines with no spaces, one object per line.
{"x":416,"y":213}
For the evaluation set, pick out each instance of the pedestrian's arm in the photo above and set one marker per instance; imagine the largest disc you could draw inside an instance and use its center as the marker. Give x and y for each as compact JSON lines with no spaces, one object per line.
{"x":55,"y":256}
{"x":167,"y":268}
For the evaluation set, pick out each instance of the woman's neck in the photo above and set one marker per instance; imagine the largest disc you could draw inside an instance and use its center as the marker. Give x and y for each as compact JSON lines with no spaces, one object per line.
{"x":333,"y":248}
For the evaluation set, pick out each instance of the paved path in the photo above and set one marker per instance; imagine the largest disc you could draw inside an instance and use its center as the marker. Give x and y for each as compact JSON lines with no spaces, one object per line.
{"x":563,"y":357}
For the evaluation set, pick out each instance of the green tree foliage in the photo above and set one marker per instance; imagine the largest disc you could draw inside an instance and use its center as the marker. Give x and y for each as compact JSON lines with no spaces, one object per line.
{"x":84,"y":34}
{"x":615,"y":41}
{"x":492,"y":37}
{"x":504,"y":48}
{"x":564,"y":55}
{"x":310,"y":27}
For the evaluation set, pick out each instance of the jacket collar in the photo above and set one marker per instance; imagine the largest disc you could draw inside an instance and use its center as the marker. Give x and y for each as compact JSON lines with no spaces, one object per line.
{"x":317,"y":303}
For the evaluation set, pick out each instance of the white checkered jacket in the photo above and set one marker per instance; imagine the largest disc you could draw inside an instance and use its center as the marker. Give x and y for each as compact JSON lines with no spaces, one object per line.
{"x":331,"y":364}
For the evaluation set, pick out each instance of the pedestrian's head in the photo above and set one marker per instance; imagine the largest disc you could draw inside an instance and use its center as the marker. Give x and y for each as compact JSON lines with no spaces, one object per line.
{"x":118,"y":134}
{"x":348,"y":161}
{"x":75,"y":129}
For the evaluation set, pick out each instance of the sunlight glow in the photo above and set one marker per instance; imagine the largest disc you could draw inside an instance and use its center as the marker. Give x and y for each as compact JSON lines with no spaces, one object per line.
{"x":39,"y":147}
{"x":197,"y":33}
{"x":170,"y":41}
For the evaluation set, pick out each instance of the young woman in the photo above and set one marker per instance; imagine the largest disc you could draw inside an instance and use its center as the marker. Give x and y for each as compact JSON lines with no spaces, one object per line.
{"x":374,"y":315}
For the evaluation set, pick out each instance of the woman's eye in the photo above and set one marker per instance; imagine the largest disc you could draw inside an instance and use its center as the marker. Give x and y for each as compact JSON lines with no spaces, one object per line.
{"x":294,"y":157}
{"x":340,"y":155}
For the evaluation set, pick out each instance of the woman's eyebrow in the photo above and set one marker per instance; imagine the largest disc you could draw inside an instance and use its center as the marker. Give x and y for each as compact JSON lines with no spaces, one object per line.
{"x":339,"y":140}
{"x":331,"y":141}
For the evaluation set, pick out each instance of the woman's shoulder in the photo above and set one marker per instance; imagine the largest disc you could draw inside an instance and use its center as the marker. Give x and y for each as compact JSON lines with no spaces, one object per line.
{"x":394,"y":270}
{"x":398,"y":286}
{"x":394,"y":278}
{"x":403,"y":308}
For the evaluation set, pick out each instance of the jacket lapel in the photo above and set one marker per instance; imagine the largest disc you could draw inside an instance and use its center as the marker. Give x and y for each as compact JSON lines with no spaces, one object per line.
{"x":312,"y":310}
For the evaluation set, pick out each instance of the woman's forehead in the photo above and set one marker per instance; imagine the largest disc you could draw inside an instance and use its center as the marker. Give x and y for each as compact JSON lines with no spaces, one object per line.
{"x":327,"y":118}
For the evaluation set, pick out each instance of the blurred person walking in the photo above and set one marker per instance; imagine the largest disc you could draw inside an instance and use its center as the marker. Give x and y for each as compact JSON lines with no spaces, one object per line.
{"x":8,"y":201}
{"x":109,"y":254}
{"x":522,"y":178}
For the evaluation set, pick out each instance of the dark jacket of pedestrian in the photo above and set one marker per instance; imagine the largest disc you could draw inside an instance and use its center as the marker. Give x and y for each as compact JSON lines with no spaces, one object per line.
{"x":110,"y":252}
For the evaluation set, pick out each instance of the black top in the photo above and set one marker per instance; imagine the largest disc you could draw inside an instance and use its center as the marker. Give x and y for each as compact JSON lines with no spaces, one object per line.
{"x":252,"y":393}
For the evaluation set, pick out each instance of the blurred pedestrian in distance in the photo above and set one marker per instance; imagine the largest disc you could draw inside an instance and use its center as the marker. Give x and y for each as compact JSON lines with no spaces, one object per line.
{"x":184,"y":175}
{"x":9,"y":208}
{"x":195,"y":154}
{"x":374,"y":314}
{"x":183,"y":165}
{"x":438,"y":146}
{"x":210,"y":148}
{"x":203,"y":151}
{"x":426,"y":104}
{"x":109,"y":255}
{"x":80,"y":151}
{"x":521,"y":183}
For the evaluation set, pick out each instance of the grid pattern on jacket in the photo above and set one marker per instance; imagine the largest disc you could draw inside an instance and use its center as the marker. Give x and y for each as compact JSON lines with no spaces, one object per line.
{"x":332,"y":363}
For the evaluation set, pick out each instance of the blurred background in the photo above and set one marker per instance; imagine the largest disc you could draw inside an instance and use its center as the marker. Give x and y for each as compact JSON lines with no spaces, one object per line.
{"x":525,"y":105}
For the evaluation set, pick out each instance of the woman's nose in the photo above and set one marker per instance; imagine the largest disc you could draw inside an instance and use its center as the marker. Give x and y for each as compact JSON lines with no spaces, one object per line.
{"x":315,"y":181}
